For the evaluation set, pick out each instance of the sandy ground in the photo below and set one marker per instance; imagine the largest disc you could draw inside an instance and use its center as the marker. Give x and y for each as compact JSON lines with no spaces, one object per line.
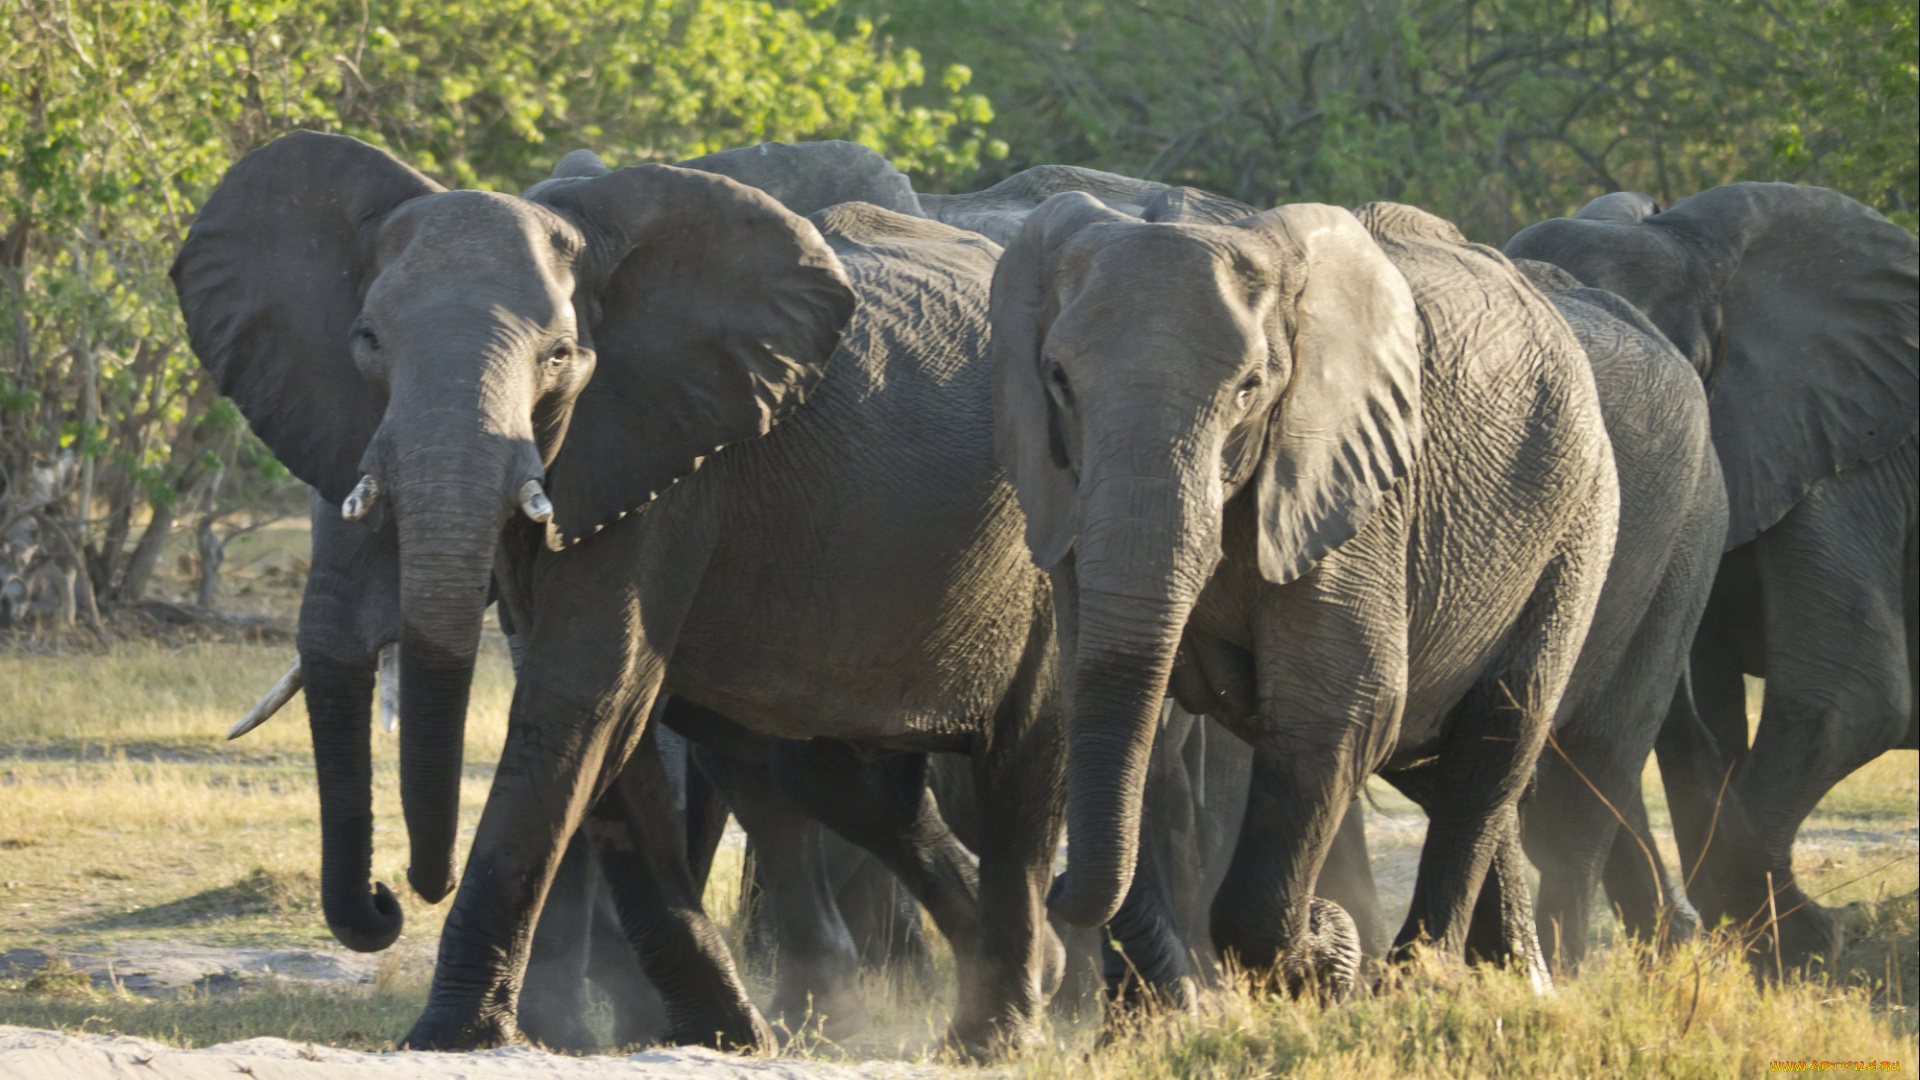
{"x":26,"y":1054}
{"x":155,"y":968}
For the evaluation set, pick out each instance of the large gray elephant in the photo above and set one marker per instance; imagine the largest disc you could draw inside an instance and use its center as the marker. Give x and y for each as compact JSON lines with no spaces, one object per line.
{"x":616,"y":398}
{"x":349,"y":627}
{"x":1341,"y":481}
{"x":1672,"y":515}
{"x":1800,"y":310}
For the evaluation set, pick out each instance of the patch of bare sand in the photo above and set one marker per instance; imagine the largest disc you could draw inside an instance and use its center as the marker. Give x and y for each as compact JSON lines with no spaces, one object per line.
{"x":26,"y":1054}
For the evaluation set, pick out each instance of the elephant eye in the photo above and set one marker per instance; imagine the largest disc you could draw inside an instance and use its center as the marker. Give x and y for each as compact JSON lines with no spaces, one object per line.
{"x":561,"y":353}
{"x":366,"y":336}
{"x":1057,"y":375}
{"x":1248,"y":389}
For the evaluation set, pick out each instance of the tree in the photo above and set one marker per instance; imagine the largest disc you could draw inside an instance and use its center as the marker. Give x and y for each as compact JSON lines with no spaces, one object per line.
{"x":1493,"y":113}
{"x":117,"y":117}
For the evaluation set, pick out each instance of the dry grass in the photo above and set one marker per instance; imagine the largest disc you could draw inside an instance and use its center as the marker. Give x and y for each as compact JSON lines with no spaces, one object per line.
{"x":1696,"y":1013}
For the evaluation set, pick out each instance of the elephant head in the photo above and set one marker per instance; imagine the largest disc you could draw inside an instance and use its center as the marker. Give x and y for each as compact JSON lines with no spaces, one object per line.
{"x":1146,"y":375}
{"x":463,"y":356}
{"x":1798,"y":305}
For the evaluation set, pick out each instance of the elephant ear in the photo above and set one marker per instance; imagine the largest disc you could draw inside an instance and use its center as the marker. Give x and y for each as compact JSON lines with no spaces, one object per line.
{"x":1027,"y":436}
{"x":714,"y":311}
{"x":811,"y":176}
{"x":1347,"y":427}
{"x":270,"y":282}
{"x":1819,"y":369}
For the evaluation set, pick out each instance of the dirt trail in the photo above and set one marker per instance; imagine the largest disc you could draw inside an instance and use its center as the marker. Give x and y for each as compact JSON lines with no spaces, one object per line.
{"x":26,"y":1054}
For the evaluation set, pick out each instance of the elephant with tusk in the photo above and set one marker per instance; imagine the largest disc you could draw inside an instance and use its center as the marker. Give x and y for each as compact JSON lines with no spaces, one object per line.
{"x":766,"y":441}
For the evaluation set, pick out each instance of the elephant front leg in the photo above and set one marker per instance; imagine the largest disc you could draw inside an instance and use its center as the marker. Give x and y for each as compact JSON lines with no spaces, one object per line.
{"x":1266,"y":917}
{"x":680,"y":949}
{"x":1469,"y":794}
{"x":817,"y":980}
{"x":1021,"y":813}
{"x":1502,"y":930}
{"x":553,"y":1004}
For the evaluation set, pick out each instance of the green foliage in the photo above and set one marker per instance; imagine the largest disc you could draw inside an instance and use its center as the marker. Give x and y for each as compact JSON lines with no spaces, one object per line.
{"x":118,"y":116}
{"x":1848,"y":121}
{"x":1494,"y":113}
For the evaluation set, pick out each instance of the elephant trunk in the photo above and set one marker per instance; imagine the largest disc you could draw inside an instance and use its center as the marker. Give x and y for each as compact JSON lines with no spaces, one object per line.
{"x":450,"y":505}
{"x":338,"y":708}
{"x":1139,"y":565}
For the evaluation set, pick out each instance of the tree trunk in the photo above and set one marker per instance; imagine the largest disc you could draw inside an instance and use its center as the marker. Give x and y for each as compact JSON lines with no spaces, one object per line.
{"x":146,"y":555}
{"x":212,"y":551}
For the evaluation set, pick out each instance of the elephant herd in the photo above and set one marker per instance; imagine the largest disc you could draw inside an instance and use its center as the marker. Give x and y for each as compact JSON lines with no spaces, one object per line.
{"x":918,"y":530}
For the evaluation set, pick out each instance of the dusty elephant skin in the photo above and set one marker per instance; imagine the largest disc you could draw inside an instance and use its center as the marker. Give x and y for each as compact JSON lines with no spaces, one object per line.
{"x":1800,"y":309}
{"x":513,"y":379}
{"x":1341,"y":482}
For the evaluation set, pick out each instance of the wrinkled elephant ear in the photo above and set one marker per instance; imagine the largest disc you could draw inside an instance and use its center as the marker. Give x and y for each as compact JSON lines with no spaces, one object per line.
{"x":270,"y":281}
{"x":1347,"y":427}
{"x":714,"y":311}
{"x":1820,"y":368}
{"x":1028,"y":438}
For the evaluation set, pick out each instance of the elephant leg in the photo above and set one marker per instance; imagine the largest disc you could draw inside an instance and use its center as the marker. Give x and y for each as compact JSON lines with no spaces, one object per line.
{"x":817,"y":968}
{"x":1502,"y":929}
{"x":553,"y":999}
{"x":1839,"y":688}
{"x":1143,"y":955}
{"x":1652,"y":905}
{"x":639,"y":1016}
{"x":1710,"y":824}
{"x":1487,"y":757}
{"x":885,"y":807}
{"x":1568,"y":832}
{"x":880,"y":913}
{"x":706,"y":825}
{"x":1473,"y":786}
{"x":580,"y":712}
{"x":1266,"y":918}
{"x":679,"y":948}
{"x":1018,"y":774}
{"x":1346,"y":878}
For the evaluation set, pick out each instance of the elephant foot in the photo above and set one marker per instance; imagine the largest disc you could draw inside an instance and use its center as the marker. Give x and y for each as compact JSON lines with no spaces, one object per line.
{"x":1805,"y":934}
{"x":745,"y":1033}
{"x":566,"y":1033}
{"x":1326,"y":961}
{"x":455,"y":1027}
{"x":1133,"y":1002}
{"x":1681,"y":924}
{"x":990,"y":1042}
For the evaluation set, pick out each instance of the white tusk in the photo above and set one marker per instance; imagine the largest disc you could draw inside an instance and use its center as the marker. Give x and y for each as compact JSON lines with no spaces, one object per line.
{"x":277,"y":697}
{"x":534,"y":502}
{"x":361,"y":499}
{"x":389,"y":685}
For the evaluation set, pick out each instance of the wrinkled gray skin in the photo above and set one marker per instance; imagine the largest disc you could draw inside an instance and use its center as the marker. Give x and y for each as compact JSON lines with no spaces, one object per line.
{"x":1798,"y":308}
{"x":1673,"y":512}
{"x":351,"y":609}
{"x":1294,"y":470}
{"x":1672,"y":516}
{"x":848,"y":565}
